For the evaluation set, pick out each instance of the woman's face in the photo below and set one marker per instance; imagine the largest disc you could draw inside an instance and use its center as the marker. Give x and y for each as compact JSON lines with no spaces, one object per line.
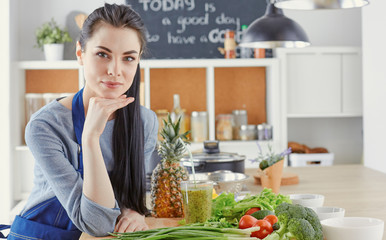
{"x":110,"y":60}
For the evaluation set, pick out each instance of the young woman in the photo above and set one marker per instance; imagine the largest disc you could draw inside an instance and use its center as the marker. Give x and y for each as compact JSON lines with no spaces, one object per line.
{"x":90,"y":148}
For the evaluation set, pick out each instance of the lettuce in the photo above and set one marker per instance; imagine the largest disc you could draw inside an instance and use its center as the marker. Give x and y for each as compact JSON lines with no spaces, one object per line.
{"x":225,"y":206}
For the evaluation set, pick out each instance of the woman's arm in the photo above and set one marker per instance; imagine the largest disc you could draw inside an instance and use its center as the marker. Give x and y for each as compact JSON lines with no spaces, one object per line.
{"x":54,"y":148}
{"x":96,"y":182}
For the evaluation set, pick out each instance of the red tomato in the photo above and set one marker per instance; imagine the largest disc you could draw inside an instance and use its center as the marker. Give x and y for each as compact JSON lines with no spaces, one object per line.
{"x":265,"y":229}
{"x":272,"y":219}
{"x":252,"y":210}
{"x":247,"y":221}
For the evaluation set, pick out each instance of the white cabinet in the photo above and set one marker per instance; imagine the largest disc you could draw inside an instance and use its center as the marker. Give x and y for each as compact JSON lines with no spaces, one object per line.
{"x":322,"y":81}
{"x":323,"y":99}
{"x":352,"y":83}
{"x":313,"y":83}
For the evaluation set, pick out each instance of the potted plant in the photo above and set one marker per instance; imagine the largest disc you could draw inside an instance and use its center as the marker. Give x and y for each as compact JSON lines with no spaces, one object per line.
{"x":271,"y":167}
{"x":51,"y":38}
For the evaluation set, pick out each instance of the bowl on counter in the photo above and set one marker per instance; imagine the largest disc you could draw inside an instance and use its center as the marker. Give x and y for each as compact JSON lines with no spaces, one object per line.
{"x":352,"y":228}
{"x":328,"y":212}
{"x":307,"y":200}
{"x":224,"y":180}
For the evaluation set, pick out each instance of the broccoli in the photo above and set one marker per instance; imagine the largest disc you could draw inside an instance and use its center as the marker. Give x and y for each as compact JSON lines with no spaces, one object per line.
{"x":296,"y":223}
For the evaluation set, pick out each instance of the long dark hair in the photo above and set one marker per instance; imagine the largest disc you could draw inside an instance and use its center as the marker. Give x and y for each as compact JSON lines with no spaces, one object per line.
{"x":128,"y":175}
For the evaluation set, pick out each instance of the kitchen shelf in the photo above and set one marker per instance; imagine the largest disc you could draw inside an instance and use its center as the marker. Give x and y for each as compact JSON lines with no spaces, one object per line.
{"x":327,"y":115}
{"x":66,"y":64}
{"x":209,"y":65}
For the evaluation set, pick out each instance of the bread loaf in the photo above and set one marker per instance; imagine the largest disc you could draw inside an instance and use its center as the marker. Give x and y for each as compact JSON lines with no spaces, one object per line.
{"x":302,"y":148}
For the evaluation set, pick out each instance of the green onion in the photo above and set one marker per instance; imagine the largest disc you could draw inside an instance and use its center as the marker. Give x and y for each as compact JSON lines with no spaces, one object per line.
{"x":189,"y":232}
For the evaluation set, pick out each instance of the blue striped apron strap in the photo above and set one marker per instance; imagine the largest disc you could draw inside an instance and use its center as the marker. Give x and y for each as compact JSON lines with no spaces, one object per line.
{"x":3,"y":227}
{"x":78,"y":118}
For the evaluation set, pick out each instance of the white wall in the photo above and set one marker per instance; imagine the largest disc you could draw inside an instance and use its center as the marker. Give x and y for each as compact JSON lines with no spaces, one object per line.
{"x":32,"y":14}
{"x":374,"y":84}
{"x":337,"y":27}
{"x":5,"y":177}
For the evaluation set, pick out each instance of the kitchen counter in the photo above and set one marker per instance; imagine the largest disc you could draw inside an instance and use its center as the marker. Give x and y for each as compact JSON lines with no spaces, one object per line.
{"x":359,"y":190}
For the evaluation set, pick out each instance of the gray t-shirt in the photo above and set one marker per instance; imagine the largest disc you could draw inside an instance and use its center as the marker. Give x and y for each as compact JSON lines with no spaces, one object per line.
{"x":51,"y":138}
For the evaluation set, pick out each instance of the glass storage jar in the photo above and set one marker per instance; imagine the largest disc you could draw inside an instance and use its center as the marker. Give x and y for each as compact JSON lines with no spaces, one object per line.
{"x":33,"y":102}
{"x":264,"y":131}
{"x":162,"y":114}
{"x":247,"y":132}
{"x":240,"y":117}
{"x":224,"y":129}
{"x":199,"y":126}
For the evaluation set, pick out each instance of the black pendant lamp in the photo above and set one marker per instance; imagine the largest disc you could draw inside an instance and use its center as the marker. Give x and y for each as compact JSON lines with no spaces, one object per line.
{"x":274,"y":30}
{"x":319,"y":4}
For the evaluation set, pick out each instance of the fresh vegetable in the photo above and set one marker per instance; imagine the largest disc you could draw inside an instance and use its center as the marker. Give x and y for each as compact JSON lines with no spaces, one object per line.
{"x":247,"y":221}
{"x":225,"y":206}
{"x":296,"y":223}
{"x":276,"y":226}
{"x":262,"y":213}
{"x":222,"y":223}
{"x":214,"y":194}
{"x":188,"y":232}
{"x":252,"y":210}
{"x":272,"y":219}
{"x":265,"y":229}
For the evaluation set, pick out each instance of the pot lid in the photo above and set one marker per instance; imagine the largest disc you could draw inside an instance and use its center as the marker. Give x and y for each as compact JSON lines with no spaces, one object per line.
{"x":220,"y":176}
{"x":214,"y":157}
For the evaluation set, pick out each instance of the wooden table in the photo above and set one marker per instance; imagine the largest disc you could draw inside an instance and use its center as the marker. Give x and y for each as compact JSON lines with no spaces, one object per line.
{"x":359,"y":190}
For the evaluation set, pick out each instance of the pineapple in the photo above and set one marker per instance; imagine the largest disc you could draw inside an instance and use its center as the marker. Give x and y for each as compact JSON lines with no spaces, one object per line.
{"x":166,"y":197}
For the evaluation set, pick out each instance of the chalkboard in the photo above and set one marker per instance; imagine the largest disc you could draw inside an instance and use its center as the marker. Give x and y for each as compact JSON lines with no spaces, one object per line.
{"x":193,"y":28}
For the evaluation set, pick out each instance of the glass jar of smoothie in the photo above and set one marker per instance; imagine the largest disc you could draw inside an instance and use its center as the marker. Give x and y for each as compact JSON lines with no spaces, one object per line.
{"x":197,"y":200}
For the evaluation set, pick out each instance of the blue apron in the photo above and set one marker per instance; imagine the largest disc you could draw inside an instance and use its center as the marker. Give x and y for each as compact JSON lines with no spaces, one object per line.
{"x":49,"y":220}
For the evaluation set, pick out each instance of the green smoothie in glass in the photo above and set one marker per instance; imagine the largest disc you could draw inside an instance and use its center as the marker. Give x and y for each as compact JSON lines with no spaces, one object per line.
{"x":197,"y":199}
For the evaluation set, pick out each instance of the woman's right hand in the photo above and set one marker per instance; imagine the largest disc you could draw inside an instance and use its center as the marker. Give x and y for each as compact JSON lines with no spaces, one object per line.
{"x":99,"y":112}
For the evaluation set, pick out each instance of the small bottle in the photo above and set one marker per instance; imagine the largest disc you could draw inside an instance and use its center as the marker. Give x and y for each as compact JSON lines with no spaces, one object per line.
{"x":229,"y":44}
{"x":177,"y":112}
{"x":245,"y":52}
{"x":259,"y":53}
{"x":269,"y":53}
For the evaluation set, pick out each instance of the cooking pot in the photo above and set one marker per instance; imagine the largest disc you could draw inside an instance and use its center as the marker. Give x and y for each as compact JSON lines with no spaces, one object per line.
{"x":211,"y":159}
{"x":224,"y":180}
{"x":204,"y":162}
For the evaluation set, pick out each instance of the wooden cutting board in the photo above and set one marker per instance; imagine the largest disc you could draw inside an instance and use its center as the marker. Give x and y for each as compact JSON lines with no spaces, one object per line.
{"x":287,"y":179}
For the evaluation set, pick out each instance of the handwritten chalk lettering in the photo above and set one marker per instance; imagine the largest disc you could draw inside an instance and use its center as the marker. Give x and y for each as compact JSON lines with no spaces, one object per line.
{"x":152,"y":38}
{"x":185,"y":21}
{"x":210,"y":7}
{"x":203,"y":39}
{"x":223,"y":19}
{"x":167,"y":5}
{"x":166,"y":21}
{"x":181,"y":39}
{"x":216,"y":35}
